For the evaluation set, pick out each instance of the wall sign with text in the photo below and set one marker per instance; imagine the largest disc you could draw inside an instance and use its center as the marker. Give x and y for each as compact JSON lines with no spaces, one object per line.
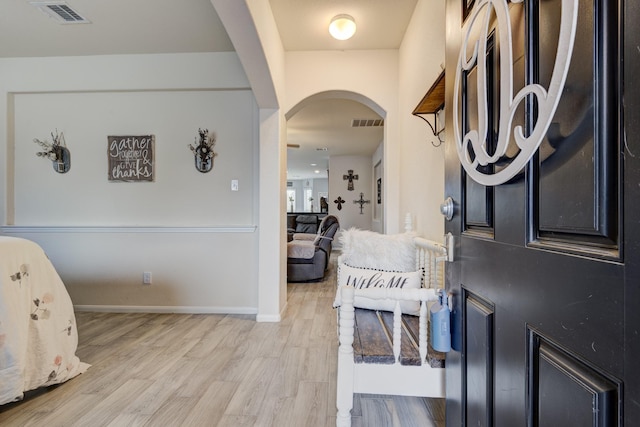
{"x":130,"y":158}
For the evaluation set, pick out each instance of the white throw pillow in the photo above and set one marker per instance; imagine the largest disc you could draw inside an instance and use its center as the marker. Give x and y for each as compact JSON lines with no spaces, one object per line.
{"x":361,"y":278}
{"x":368,"y":249}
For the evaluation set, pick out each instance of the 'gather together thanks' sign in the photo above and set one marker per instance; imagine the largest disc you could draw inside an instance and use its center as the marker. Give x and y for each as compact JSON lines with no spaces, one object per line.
{"x":130,"y":158}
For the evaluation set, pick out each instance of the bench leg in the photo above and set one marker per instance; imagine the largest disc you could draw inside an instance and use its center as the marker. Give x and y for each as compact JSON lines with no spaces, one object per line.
{"x":344,"y":392}
{"x":344,"y":398}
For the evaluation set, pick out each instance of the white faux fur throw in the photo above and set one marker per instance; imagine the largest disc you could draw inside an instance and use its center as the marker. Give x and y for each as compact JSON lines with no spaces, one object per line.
{"x":368,"y":249}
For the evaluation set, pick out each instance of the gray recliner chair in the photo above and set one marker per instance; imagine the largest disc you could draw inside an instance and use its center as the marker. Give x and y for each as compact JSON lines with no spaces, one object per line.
{"x":301,"y":224}
{"x":307,"y":260}
{"x":306,"y":224}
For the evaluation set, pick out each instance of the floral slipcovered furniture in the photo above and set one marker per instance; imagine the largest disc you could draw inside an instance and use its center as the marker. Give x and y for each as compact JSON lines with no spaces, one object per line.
{"x":38,"y":334}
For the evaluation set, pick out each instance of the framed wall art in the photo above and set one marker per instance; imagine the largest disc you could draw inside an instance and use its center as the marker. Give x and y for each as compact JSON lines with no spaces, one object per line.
{"x":130,"y":158}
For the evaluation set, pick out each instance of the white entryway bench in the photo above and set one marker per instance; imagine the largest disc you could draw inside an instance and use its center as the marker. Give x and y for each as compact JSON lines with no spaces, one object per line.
{"x":387,"y":352}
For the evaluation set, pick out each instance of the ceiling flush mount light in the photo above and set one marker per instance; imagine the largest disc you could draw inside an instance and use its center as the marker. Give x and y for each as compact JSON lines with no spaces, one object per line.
{"x":342,"y":27}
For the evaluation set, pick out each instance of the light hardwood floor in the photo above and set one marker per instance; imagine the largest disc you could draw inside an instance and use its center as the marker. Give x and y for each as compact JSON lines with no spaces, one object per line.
{"x":214,"y":370}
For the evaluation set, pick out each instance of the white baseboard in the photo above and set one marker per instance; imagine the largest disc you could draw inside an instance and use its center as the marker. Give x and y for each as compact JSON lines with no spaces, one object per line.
{"x":165,"y":309}
{"x":273,"y":318}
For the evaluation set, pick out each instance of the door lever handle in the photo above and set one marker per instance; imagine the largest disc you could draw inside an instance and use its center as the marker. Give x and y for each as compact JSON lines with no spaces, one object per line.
{"x":446,"y":208}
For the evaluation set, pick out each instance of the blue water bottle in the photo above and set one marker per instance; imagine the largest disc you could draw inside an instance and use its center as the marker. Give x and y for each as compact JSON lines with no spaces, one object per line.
{"x":440,"y":324}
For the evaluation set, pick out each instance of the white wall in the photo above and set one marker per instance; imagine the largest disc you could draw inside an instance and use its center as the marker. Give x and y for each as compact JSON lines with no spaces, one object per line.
{"x":255,"y":37}
{"x":349,"y":74}
{"x":413,"y":168}
{"x":179,"y":195}
{"x":189,"y":229}
{"x":349,"y":216}
{"x":382,"y":77}
{"x":296,"y":76}
{"x":399,"y":81}
{"x":422,"y":171}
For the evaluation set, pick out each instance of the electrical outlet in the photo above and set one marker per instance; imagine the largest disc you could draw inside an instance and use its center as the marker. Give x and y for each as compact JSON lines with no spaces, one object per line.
{"x":234,"y":185}
{"x":146,"y":277}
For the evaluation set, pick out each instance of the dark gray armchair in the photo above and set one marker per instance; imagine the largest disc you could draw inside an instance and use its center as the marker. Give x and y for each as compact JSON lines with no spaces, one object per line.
{"x":301,"y":224}
{"x":307,"y":260}
{"x":306,"y":224}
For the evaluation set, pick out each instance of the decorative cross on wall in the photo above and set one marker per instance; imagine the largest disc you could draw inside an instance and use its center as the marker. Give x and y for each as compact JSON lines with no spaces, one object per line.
{"x":361,"y":202}
{"x":350,"y":177}
{"x":339,"y":202}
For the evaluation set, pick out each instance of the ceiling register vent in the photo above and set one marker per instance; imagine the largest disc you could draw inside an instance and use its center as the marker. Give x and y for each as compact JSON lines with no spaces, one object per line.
{"x":367,"y":123}
{"x":60,"y":11}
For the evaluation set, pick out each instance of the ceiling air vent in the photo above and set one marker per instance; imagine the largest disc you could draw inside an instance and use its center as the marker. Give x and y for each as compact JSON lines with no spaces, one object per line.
{"x":60,"y":11}
{"x":367,"y":123}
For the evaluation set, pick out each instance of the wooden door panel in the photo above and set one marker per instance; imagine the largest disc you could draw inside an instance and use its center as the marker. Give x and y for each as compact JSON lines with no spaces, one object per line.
{"x":567,"y":153}
{"x":478,"y":356}
{"x":562,"y":295}
{"x":563,"y":390}
{"x":576,"y":201}
{"x":478,"y":199}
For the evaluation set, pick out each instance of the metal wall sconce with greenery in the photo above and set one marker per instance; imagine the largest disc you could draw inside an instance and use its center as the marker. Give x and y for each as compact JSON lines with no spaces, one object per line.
{"x":203,"y":152}
{"x":56,"y":151}
{"x":433,"y":103}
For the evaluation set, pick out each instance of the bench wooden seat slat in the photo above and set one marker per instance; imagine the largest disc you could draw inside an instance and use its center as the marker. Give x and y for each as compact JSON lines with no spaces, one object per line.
{"x":373,"y":345}
{"x":434,"y":357}
{"x":409,"y":351}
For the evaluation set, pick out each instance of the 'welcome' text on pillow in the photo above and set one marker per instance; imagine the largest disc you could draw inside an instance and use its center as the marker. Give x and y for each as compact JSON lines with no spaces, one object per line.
{"x":376,"y":280}
{"x":362,"y":278}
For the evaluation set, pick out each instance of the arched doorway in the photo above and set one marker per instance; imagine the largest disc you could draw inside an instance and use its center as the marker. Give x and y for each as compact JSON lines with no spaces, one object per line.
{"x":335,"y":151}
